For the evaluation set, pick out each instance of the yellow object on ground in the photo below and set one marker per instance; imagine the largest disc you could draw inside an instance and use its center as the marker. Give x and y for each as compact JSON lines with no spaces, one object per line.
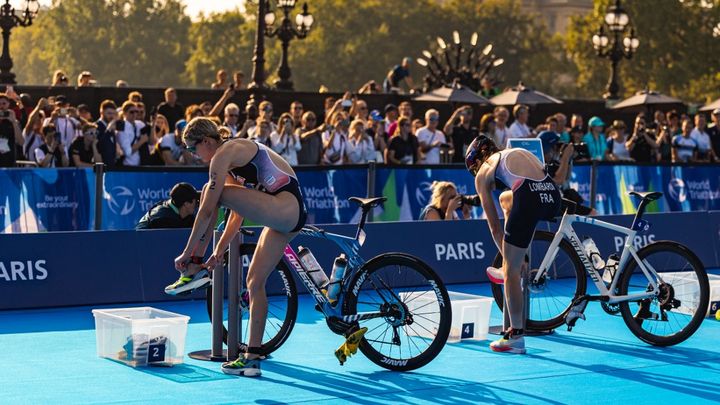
{"x":350,"y":346}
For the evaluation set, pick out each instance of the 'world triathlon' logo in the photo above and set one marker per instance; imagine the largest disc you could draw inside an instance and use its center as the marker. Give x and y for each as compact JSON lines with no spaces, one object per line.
{"x":120,"y":200}
{"x":422,"y":193}
{"x":676,"y":189}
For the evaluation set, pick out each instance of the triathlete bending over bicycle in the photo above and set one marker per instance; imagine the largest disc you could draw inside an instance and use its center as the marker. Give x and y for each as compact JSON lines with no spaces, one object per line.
{"x":270,"y":196}
{"x":530,"y":196}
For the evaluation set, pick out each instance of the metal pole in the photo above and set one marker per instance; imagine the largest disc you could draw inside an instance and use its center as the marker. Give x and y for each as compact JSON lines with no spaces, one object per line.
{"x":216,"y":353}
{"x":99,"y":182}
{"x":258,"y":72}
{"x":372,"y":171}
{"x":593,"y":184}
{"x":234,"y":267}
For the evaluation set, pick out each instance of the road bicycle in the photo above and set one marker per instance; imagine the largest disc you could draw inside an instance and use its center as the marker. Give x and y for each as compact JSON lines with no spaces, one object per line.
{"x":380,"y":294}
{"x":661,"y":290}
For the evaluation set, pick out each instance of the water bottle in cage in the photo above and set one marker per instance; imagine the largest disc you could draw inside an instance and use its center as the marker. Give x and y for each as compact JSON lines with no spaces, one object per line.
{"x":312,"y":267}
{"x":336,"y":278}
{"x":593,"y":253}
{"x":611,"y":266}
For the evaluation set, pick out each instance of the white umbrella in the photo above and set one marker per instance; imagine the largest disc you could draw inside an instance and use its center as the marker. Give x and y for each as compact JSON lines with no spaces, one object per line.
{"x":455,"y":94}
{"x":646,"y":98}
{"x":709,"y":107}
{"x":523,"y":95}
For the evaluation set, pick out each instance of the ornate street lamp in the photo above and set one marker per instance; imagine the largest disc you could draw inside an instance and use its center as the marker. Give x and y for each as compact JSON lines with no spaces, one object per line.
{"x":9,"y":19}
{"x":286,"y":32}
{"x":615,"y":48}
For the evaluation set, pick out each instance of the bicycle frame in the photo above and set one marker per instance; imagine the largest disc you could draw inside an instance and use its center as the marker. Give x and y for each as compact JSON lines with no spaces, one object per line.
{"x":351,"y":247}
{"x":566,"y":230}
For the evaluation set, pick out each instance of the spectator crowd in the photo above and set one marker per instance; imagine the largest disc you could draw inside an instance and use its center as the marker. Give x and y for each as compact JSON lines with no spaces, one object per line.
{"x":50,"y":132}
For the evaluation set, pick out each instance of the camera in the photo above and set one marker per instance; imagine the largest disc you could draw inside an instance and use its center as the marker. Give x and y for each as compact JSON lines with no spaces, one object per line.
{"x":346,"y":103}
{"x":120,"y":125}
{"x":581,"y":150}
{"x":472,"y":200}
{"x":5,"y":114}
{"x":63,"y":111}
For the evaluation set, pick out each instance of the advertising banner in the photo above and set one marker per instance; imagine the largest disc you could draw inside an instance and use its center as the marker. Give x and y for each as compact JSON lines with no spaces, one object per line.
{"x":326,"y":194}
{"x":684,"y":188}
{"x":408,"y":190}
{"x":43,"y":270}
{"x":46,"y":200}
{"x":127,"y":196}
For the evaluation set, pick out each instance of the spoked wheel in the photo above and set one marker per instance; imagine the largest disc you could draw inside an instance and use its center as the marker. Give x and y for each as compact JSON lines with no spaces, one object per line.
{"x":282,"y":307}
{"x":677,"y":311}
{"x":416,"y":308}
{"x":551,"y":297}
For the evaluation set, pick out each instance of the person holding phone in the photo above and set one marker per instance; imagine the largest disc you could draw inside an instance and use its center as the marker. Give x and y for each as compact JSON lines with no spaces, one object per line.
{"x":285,"y":141}
{"x":52,"y":152}
{"x":335,"y":140}
{"x":130,"y":137}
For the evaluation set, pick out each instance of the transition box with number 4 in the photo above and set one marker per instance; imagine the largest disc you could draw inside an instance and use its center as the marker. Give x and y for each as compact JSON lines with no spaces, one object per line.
{"x":141,"y":336}
{"x":470,"y":316}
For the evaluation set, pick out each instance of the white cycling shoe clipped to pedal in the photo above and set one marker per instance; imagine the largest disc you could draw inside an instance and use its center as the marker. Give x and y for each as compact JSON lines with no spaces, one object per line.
{"x":495,"y":275}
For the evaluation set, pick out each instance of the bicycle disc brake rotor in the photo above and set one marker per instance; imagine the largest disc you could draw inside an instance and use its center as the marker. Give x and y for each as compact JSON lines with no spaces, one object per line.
{"x":395,"y":313}
{"x":666,"y":297}
{"x":538,"y":286}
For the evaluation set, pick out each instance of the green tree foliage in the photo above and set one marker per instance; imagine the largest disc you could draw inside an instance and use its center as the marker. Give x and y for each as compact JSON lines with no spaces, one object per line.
{"x":354,"y":42}
{"x":220,"y":41}
{"x":141,"y":41}
{"x":677,"y":53}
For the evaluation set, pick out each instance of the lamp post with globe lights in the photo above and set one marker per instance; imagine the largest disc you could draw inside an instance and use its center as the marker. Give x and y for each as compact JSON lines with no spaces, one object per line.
{"x":9,"y":19}
{"x":286,"y":32}
{"x":617,"y":47}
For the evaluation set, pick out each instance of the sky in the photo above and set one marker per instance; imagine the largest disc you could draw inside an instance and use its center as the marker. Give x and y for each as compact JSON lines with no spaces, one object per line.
{"x":193,"y":7}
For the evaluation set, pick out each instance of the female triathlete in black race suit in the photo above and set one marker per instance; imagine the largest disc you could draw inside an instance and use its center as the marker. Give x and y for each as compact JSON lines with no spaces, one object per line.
{"x":530,"y":196}
{"x":263,"y":188}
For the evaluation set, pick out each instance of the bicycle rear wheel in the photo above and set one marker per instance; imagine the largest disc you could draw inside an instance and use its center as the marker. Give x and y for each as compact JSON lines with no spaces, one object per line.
{"x":552,"y":296}
{"x":417,"y":307}
{"x":282,"y":307}
{"x":676,"y":313}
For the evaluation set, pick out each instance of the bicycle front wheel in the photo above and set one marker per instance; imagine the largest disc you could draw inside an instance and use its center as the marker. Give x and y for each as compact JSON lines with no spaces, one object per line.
{"x":552,"y":295}
{"x":677,"y":311}
{"x":282,"y":307}
{"x":416,"y":308}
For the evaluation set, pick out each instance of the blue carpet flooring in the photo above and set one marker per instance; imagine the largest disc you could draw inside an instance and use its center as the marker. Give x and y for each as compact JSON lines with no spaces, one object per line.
{"x":49,"y":357}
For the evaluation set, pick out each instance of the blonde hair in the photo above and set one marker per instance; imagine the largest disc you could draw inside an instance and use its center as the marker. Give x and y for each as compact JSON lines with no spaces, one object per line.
{"x":439,"y":188}
{"x":198,"y":128}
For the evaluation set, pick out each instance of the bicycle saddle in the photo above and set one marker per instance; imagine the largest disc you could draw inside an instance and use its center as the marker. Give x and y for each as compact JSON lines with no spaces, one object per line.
{"x":367,"y":203}
{"x":649,"y":195}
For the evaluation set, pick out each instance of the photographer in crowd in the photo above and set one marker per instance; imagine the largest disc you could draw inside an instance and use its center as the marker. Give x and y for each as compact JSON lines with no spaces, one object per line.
{"x":559,"y":165}
{"x":177,"y":212}
{"x":403,"y":146}
{"x":444,"y":203}
{"x":642,"y":142}
{"x":52,"y":152}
